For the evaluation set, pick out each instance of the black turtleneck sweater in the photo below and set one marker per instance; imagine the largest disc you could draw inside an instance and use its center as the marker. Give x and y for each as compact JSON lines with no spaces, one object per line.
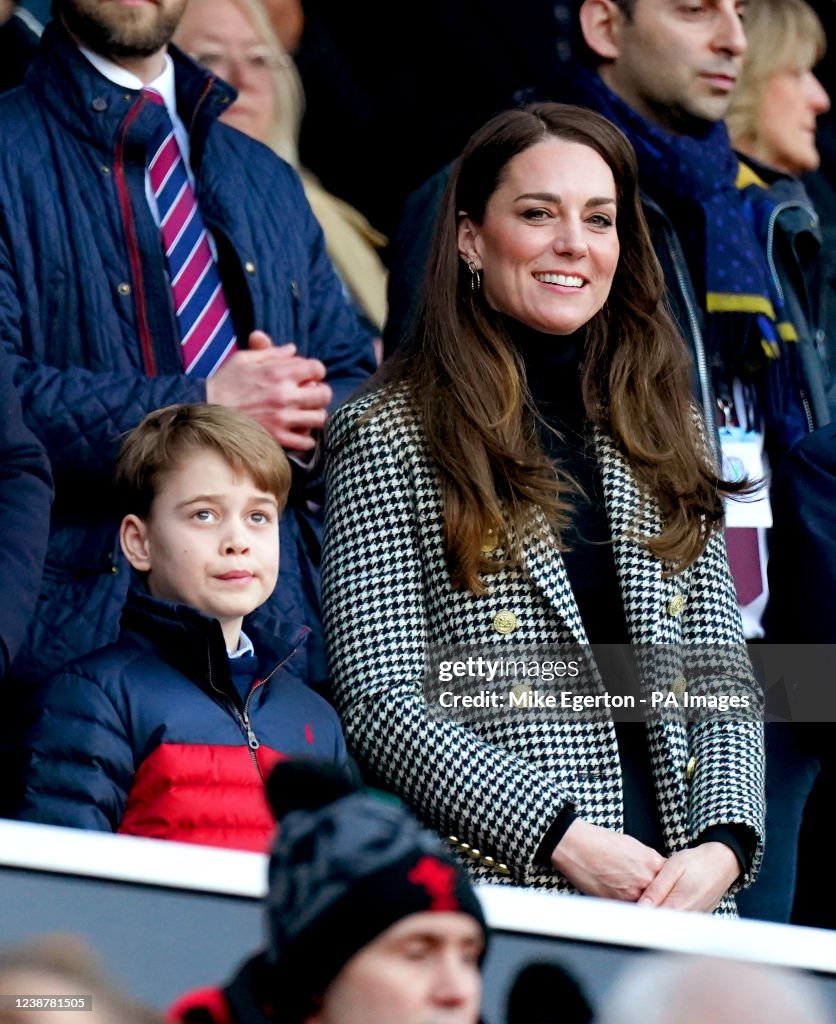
{"x":552,"y":366}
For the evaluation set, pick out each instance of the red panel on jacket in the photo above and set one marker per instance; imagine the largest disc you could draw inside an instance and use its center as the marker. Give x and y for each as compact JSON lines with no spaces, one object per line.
{"x":203,"y":793}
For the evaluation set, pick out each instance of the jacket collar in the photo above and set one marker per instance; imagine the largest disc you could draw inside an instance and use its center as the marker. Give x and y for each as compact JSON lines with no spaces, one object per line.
{"x":194,"y":644}
{"x":94,"y":109}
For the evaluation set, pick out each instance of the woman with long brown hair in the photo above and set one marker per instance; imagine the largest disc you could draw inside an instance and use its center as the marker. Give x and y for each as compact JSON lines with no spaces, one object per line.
{"x":529,"y":470}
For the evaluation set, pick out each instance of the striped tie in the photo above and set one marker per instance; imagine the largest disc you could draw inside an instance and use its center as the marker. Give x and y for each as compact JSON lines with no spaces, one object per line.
{"x":207,"y":337}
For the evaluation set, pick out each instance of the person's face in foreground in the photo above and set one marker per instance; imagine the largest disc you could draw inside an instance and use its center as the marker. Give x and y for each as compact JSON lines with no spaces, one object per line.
{"x":422,"y":970}
{"x":548,"y":244}
{"x":677,"y":62}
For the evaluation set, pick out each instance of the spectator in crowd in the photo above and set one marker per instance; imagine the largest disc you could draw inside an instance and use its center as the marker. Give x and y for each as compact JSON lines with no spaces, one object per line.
{"x":662,"y":988}
{"x":25,"y":498}
{"x":170,"y":731}
{"x":736,"y":267}
{"x":737,"y":313}
{"x":821,"y":186}
{"x":772,"y":124}
{"x":235,"y":40}
{"x":530,"y":469}
{"x":107,"y":316}
{"x":65,"y":965}
{"x":368,"y":921}
{"x":772,"y":117}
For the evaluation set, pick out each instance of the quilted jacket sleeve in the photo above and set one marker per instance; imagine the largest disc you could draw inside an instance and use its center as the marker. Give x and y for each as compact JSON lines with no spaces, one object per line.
{"x":374,"y":606}
{"x":79,"y":415}
{"x":82,"y":765}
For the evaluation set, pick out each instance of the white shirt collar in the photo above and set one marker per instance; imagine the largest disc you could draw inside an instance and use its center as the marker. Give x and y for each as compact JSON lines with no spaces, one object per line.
{"x":245,"y":646}
{"x":163,"y":83}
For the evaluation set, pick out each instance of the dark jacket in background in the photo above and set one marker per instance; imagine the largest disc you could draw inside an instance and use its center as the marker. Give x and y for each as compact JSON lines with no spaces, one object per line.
{"x":802,"y":565}
{"x":25,"y":497}
{"x":18,"y":44}
{"x":821,"y":187}
{"x":150,"y":736}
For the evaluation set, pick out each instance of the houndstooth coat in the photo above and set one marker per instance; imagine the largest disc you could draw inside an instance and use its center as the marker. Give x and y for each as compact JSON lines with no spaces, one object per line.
{"x":493,"y":788}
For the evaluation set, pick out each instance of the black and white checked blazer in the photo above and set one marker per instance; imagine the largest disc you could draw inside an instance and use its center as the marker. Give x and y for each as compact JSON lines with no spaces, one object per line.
{"x":497,"y":785}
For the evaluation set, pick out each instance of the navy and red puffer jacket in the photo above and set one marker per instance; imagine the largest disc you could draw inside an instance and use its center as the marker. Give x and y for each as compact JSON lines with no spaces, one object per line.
{"x":150,"y":735}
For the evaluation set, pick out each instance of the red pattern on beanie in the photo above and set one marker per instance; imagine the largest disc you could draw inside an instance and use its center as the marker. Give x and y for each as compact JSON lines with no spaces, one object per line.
{"x":439,"y":880}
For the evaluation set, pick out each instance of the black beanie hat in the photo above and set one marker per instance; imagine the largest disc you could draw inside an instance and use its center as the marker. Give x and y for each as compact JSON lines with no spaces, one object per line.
{"x":345,"y":866}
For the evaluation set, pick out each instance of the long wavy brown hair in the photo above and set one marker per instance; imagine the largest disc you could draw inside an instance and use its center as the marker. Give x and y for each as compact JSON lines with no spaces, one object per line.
{"x":467,"y":382}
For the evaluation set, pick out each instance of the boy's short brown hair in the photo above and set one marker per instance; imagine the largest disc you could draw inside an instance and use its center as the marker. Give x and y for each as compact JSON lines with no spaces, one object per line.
{"x":167,"y":435}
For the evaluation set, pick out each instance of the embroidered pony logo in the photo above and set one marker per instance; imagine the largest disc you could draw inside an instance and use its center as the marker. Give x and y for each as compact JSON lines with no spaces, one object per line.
{"x":439,"y":880}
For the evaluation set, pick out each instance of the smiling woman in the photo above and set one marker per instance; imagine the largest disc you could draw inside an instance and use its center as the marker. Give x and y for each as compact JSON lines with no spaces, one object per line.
{"x":549,"y":256}
{"x":528,"y":470}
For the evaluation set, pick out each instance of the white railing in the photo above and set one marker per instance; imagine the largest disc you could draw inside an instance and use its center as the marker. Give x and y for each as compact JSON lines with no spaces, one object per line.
{"x":182,"y":866}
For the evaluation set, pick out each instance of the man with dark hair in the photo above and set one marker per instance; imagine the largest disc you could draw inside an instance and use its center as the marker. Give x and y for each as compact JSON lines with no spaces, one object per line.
{"x":150,"y":255}
{"x":368,"y":919}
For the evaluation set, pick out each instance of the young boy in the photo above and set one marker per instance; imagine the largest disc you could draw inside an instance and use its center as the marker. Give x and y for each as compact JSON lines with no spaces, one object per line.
{"x":171,"y":731}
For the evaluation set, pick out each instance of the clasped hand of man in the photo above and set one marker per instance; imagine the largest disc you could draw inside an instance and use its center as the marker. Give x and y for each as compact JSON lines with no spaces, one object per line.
{"x":285,"y":392}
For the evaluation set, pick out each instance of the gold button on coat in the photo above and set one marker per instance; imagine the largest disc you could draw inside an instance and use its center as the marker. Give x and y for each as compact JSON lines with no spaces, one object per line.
{"x":690,"y":769}
{"x":520,"y":690}
{"x":505,"y":622}
{"x":680,"y":684}
{"x":124,"y":288}
{"x":676,"y":604}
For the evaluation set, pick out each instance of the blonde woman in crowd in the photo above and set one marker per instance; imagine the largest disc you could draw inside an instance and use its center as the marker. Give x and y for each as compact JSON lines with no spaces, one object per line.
{"x":772,"y":118}
{"x":236,"y":40}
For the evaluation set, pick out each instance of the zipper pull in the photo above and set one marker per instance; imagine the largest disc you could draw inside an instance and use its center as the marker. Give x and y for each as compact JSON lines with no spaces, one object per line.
{"x":252,"y":739}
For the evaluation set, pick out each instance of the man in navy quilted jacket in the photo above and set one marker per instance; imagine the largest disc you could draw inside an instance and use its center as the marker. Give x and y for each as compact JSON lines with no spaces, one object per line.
{"x":148,"y":256}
